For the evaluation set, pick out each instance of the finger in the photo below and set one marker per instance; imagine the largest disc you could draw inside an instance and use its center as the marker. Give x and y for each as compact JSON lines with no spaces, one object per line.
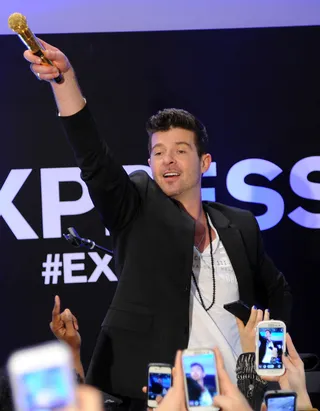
{"x":32,"y":58}
{"x":55,"y":55}
{"x":223,"y":402}
{"x":178,"y":373}
{"x":47,"y":77}
{"x":66,"y":317}
{"x":266,"y":316}
{"x":288,"y":364}
{"x":144,"y":389}
{"x":225,"y":383}
{"x":56,"y":309}
{"x":259,"y":317}
{"x":75,"y":322}
{"x":173,"y":372}
{"x":89,"y":398}
{"x":43,"y":69}
{"x":240,"y":325}
{"x":270,"y":378}
{"x":252,"y":319}
{"x":263,"y":407}
{"x":159,"y":399}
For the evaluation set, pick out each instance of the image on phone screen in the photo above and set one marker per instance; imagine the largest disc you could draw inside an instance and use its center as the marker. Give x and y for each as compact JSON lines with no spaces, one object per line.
{"x":271,"y":342}
{"x":281,"y":403}
{"x":200,"y":372}
{"x":159,"y":384}
{"x":45,"y":389}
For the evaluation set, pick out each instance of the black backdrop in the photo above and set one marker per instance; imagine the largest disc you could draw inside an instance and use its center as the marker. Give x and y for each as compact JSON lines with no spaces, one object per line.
{"x":257,"y":90}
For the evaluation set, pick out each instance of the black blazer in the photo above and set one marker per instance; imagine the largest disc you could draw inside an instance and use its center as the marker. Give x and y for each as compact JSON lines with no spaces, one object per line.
{"x":153,"y":238}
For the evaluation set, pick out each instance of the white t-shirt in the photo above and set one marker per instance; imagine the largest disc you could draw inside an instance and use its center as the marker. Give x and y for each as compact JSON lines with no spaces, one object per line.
{"x":268,"y":353}
{"x":217,"y":327}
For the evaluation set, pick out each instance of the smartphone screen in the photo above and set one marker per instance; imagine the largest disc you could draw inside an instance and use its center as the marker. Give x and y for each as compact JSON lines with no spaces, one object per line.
{"x":45,"y":389}
{"x":271,"y":343}
{"x":200,"y":375}
{"x":281,"y":403}
{"x":42,"y":377}
{"x":158,"y":385}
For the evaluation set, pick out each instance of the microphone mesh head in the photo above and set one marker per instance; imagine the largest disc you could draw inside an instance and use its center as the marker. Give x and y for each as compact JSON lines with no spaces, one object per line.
{"x":17,"y":22}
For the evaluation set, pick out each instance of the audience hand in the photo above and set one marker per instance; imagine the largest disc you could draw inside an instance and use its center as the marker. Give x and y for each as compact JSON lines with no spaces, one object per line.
{"x":248,"y":332}
{"x":65,"y":327}
{"x":294,"y":378}
{"x":230,"y":398}
{"x":175,"y":398}
{"x":88,"y":399}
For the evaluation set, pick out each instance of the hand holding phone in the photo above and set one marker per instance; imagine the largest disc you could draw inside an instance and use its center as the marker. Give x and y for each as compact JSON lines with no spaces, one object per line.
{"x":42,"y":377}
{"x":239,"y":309}
{"x":159,"y":382}
{"x":280,"y":400}
{"x":201,"y":381}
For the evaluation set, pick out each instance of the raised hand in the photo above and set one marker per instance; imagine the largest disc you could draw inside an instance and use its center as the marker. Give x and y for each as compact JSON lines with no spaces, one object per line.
{"x":47,"y":72}
{"x":248,"y":332}
{"x":294,"y":378}
{"x":65,"y":326}
{"x":230,"y":398}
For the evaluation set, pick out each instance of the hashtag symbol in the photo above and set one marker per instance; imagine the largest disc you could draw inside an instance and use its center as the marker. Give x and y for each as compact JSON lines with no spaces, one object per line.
{"x":52,"y":269}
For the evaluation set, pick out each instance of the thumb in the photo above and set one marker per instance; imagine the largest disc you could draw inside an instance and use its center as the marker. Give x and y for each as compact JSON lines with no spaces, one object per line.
{"x":223,"y":402}
{"x":263,"y":407}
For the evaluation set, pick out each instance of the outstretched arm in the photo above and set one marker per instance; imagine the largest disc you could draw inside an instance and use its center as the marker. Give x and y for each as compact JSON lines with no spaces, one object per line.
{"x":111,"y":190}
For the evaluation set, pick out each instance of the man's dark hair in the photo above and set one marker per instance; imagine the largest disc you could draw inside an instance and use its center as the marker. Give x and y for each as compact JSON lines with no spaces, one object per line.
{"x":169,"y":118}
{"x":268,"y":331}
{"x":196,"y":364}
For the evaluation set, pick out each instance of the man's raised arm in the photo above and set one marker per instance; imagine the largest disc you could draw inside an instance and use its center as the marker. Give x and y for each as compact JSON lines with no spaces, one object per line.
{"x":110,"y":188}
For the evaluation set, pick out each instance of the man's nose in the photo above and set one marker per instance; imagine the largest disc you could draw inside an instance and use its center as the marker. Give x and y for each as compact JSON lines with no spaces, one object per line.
{"x":168,"y":158}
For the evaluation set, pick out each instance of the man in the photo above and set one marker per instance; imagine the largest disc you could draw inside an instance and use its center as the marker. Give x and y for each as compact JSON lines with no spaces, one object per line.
{"x":268,"y":347}
{"x":178,"y":260}
{"x":206,"y":394}
{"x":268,"y":352}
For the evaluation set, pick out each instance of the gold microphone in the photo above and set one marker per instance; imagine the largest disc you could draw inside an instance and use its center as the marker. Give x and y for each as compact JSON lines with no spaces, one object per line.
{"x":18,"y":23}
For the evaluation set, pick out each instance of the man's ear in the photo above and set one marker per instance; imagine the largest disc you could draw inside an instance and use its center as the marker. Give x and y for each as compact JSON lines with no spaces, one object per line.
{"x":206,"y":160}
{"x":149,"y":162}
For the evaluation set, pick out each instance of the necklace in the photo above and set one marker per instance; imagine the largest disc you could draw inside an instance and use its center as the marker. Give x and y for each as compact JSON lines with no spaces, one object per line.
{"x":212,"y":267}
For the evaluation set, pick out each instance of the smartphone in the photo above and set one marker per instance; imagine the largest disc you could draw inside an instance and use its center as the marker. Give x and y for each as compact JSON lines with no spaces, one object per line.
{"x":42,"y":377}
{"x":159,"y":382}
{"x":270,"y":345}
{"x":200,"y":377}
{"x":280,"y":400}
{"x":239,"y":309}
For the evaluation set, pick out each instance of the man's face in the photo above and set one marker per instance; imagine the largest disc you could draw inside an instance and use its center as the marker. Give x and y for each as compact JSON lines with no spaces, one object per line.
{"x":197,"y":373}
{"x":175,"y":163}
{"x":268,"y":335}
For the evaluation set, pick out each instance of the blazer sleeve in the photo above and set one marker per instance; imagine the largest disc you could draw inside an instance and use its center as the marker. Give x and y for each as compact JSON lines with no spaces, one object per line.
{"x":271,"y":287}
{"x":111,"y":190}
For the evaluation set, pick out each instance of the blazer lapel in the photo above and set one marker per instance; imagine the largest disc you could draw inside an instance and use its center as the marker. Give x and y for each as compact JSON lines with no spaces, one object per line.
{"x":235,"y":248}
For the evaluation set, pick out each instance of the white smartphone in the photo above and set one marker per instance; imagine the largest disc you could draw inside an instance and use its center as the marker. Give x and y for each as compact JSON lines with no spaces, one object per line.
{"x":201,"y":380}
{"x":270,"y":345}
{"x":159,"y":382}
{"x":42,"y":377}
